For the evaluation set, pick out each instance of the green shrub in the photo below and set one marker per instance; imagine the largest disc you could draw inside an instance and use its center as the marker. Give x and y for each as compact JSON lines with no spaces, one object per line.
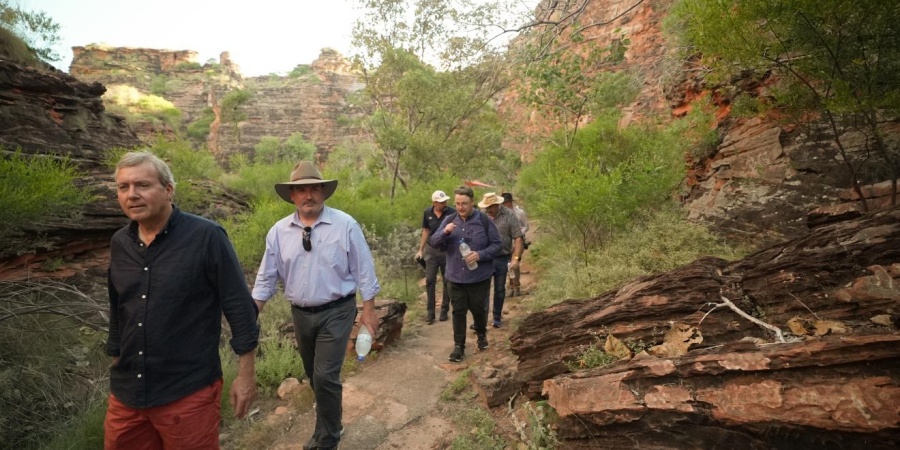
{"x":35,"y":187}
{"x":199,"y":128}
{"x":158,"y":85}
{"x":187,"y":66}
{"x":658,"y":241}
{"x":231,"y":105}
{"x":279,"y":360}
{"x":248,"y":231}
{"x":294,"y":148}
{"x":482,"y":435}
{"x":52,"y":361}
{"x":590,"y":357}
{"x":457,"y":386}
{"x":84,"y":431}
{"x":300,"y":70}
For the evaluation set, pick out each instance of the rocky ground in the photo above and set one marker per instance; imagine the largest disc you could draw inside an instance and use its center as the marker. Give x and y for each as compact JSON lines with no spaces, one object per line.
{"x":394,"y":401}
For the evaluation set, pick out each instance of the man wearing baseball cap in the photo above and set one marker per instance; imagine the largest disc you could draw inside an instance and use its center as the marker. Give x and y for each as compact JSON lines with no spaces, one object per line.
{"x":432,"y":257}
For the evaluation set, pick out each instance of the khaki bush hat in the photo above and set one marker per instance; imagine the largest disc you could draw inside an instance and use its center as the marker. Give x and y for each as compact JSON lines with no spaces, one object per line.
{"x":305,"y":173}
{"x":491,"y":198}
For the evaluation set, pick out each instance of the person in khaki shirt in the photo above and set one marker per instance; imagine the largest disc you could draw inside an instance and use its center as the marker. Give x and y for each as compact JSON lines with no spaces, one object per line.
{"x":510,"y":254}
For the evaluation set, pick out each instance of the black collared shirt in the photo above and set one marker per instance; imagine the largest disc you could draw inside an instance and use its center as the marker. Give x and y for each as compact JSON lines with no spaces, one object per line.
{"x":431,"y":221}
{"x":166,"y":304}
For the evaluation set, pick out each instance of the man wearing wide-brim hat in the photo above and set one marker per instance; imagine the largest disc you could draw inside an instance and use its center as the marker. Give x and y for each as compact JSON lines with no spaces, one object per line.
{"x":322,"y":258}
{"x":512,"y":238}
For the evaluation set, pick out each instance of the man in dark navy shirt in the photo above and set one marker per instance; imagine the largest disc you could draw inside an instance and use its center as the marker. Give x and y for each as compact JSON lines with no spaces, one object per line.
{"x":434,"y":257}
{"x":469,"y":276}
{"x":171,"y":276}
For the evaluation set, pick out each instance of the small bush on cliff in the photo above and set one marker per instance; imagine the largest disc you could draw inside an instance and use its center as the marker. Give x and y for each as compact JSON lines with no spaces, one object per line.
{"x":38,"y":31}
{"x":34,"y":187}
{"x":138,"y":107}
{"x":199,"y":128}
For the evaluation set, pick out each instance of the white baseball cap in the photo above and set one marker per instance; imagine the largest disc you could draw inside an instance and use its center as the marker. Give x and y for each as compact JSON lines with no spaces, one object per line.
{"x":439,"y":196}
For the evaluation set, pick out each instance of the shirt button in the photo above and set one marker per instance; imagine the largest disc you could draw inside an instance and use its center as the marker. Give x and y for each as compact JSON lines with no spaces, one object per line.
{"x":146,"y":268}
{"x":139,"y":375}
{"x":140,"y":353}
{"x":140,"y":324}
{"x":143,"y":296}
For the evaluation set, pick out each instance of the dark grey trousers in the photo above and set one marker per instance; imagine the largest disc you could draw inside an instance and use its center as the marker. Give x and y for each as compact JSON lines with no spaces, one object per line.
{"x":322,"y":338}
{"x":467,"y":298}
{"x":435,"y":260}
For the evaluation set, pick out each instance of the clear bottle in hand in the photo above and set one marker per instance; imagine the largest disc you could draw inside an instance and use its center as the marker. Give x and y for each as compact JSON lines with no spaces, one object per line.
{"x":363,"y":343}
{"x":465,"y":250}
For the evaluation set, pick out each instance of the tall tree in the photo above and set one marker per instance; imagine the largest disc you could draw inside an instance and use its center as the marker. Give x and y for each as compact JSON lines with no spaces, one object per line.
{"x":37,"y":29}
{"x":834,"y":60}
{"x":428,"y":121}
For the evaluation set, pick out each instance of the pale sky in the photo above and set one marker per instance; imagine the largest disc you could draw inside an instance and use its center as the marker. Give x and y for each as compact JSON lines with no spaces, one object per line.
{"x":262,"y":36}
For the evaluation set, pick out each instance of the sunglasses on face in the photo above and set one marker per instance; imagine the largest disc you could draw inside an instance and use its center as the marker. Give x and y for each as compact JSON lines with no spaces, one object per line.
{"x":307,"y":242}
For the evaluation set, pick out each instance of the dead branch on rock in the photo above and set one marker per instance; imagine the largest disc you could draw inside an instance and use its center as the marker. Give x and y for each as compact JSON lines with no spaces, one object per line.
{"x":733,"y":307}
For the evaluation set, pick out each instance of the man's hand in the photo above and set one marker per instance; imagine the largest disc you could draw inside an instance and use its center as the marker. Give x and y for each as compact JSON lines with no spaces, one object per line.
{"x":513,"y":265}
{"x":472,"y":257}
{"x":243,"y":389}
{"x":369,"y":319}
{"x":449,"y":228}
{"x":418,"y":255}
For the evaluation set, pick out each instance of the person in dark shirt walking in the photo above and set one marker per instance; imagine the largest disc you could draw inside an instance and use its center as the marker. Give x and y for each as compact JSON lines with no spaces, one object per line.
{"x":171,"y":277}
{"x":435,"y":258}
{"x":468,"y":287}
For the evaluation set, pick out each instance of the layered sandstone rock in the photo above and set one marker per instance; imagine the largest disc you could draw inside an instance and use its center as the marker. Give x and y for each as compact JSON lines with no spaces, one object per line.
{"x":49,"y":114}
{"x":831,"y":376}
{"x":315,"y":104}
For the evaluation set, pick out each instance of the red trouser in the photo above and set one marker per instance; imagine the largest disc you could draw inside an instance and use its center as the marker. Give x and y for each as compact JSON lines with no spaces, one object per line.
{"x":190,"y":422}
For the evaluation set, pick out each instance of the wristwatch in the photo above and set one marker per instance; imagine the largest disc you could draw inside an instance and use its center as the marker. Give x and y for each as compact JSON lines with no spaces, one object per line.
{"x":516,"y":258}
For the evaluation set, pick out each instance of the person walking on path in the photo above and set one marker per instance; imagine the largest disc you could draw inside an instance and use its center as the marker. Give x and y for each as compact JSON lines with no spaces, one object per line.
{"x":322,"y":258}
{"x":510,"y":253}
{"x":515,"y":281}
{"x":171,"y":277}
{"x":434,"y":258}
{"x":469,"y":276}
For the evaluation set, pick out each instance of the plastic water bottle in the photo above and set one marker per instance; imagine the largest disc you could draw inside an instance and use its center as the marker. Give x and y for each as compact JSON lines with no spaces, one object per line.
{"x":465,"y":250}
{"x":509,"y":272}
{"x":363,"y":343}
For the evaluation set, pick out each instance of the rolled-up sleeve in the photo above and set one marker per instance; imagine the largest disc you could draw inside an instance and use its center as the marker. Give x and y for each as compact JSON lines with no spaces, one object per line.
{"x":361,"y":264}
{"x":237,"y":304}
{"x":267,"y":276}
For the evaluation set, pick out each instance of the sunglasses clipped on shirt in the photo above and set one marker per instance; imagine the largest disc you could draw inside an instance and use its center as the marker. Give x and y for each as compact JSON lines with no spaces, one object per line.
{"x":307,"y":242}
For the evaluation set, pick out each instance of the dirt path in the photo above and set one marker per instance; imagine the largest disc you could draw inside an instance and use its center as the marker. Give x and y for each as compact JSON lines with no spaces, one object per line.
{"x":394,"y":403}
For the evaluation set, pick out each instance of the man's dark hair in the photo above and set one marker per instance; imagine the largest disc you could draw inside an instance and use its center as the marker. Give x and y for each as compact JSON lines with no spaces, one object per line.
{"x":507,"y":197}
{"x":465,"y":190}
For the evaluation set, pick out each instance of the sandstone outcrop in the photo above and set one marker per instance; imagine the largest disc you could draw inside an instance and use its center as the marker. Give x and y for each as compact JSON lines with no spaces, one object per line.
{"x":47,"y":113}
{"x":314,"y":104}
{"x":829,"y":377}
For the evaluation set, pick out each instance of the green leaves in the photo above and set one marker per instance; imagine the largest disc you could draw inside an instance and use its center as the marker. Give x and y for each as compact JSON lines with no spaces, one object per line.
{"x":38,"y":30}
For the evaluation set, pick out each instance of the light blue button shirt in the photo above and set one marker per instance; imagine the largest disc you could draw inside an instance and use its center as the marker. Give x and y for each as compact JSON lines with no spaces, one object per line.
{"x":339,"y":263}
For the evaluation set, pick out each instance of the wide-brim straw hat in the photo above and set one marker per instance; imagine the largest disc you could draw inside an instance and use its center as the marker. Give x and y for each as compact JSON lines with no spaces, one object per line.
{"x":305,"y":173}
{"x":491,"y":198}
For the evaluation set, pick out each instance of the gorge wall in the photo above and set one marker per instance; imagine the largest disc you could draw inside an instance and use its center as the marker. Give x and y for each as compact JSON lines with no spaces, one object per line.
{"x":314,"y":103}
{"x":765,"y":181}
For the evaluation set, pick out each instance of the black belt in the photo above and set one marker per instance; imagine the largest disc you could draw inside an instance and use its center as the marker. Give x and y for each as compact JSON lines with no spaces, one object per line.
{"x":326,"y":306}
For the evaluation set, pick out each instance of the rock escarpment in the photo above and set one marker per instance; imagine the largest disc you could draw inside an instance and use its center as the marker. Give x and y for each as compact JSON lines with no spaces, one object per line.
{"x":759,"y":183}
{"x":49,"y":114}
{"x":314,"y":103}
{"x":834,"y":381}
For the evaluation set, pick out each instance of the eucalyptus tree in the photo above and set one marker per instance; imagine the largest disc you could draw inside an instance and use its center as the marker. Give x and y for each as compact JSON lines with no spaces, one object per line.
{"x":836,"y":61}
{"x":431,"y":79}
{"x":37,"y":29}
